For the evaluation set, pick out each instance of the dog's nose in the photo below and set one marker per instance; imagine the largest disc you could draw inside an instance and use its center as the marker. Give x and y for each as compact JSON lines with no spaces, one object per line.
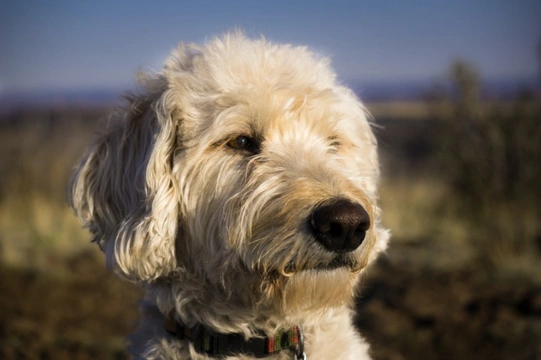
{"x":340,"y":226}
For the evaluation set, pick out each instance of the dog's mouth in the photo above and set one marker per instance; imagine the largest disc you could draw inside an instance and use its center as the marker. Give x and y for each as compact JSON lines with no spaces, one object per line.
{"x":337,"y":262}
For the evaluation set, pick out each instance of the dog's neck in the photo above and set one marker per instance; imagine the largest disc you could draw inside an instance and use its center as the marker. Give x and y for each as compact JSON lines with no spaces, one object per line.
{"x":243,"y":309}
{"x":214,"y":344}
{"x":232,"y":311}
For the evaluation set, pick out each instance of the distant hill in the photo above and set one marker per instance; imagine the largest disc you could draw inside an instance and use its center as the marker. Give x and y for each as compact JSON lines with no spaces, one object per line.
{"x":60,"y":98}
{"x":500,"y":89}
{"x":368,"y":91}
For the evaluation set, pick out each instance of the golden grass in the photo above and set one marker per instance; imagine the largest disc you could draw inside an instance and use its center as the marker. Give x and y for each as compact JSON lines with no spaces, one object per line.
{"x":415,"y":209}
{"x":430,"y":234}
{"x":36,"y":232}
{"x":38,"y":150}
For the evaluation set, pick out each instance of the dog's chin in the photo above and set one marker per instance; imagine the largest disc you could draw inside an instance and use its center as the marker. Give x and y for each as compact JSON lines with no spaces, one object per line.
{"x":318,"y":289}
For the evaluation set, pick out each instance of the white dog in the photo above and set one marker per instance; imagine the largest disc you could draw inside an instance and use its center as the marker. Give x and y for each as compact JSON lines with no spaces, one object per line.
{"x":240,"y":189}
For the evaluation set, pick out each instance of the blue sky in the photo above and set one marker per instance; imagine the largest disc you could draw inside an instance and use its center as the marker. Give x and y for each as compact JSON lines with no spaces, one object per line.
{"x":62,"y":45}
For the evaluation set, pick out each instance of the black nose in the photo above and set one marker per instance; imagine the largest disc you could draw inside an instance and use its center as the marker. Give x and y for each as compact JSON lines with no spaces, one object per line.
{"x":340,"y":226}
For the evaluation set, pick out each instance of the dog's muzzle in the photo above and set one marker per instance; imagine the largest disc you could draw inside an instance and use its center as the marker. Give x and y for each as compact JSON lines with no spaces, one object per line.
{"x":340,"y":226}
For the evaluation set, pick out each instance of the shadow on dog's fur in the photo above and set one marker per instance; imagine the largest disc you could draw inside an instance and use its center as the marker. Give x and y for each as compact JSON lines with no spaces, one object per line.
{"x":240,"y":189}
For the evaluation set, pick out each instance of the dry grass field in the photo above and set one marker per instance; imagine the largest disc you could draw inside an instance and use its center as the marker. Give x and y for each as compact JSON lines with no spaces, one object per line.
{"x":455,"y":283}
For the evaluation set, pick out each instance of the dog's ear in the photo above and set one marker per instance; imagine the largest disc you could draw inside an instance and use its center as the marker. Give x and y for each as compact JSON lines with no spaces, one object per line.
{"x":125,"y":190}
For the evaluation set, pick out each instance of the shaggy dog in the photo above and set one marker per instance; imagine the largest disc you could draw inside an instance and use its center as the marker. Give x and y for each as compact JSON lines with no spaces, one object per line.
{"x":239,"y":188}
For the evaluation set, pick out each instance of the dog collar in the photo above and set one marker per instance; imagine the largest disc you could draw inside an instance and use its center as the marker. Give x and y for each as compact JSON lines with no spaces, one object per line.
{"x":219,"y":345}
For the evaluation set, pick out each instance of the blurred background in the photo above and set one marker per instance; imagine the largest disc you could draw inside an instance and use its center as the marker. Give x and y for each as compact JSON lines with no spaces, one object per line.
{"x":454,"y":86}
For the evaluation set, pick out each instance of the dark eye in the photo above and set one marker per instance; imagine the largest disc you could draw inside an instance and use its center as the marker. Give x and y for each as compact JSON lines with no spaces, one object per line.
{"x":243,"y":143}
{"x":334,"y":142}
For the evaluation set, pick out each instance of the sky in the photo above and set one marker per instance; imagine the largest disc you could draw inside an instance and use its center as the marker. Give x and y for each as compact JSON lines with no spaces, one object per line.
{"x":101,"y":44}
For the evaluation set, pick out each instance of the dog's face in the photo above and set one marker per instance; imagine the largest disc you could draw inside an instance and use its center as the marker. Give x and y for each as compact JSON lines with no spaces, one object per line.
{"x":243,"y":163}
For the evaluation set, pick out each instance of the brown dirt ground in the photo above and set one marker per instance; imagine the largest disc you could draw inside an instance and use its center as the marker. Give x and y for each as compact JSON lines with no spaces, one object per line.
{"x":83,"y":313}
{"x":424,"y":314}
{"x":405,"y":313}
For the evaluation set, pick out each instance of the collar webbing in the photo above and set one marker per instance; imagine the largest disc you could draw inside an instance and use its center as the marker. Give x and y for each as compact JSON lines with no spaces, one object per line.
{"x":215,"y":344}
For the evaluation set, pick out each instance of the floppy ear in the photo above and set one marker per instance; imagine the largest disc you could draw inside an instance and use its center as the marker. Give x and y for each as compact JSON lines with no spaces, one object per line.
{"x":125,"y":191}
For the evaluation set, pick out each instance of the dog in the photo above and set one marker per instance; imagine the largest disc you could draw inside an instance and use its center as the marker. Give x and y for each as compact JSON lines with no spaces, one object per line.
{"x":239,"y":187}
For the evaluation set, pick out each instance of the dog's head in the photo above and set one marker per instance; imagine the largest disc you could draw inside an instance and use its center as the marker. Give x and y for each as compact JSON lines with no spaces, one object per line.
{"x":241,"y":159}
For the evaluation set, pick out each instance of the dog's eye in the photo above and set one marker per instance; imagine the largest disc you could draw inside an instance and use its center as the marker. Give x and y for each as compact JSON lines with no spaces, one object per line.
{"x":243,"y":143}
{"x":334,"y":142}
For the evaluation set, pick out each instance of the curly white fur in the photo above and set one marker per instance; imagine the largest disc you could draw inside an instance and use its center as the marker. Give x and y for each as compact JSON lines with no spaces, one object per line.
{"x":217,"y":235}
